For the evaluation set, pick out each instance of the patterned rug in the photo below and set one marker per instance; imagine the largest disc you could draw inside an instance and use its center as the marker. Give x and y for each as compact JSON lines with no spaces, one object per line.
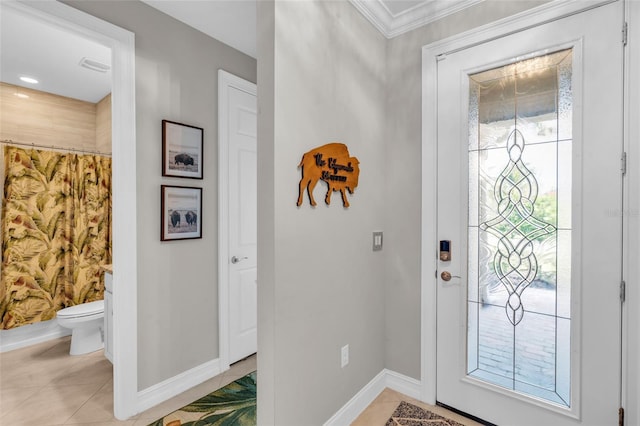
{"x":234,"y":404}
{"x":409,"y":415}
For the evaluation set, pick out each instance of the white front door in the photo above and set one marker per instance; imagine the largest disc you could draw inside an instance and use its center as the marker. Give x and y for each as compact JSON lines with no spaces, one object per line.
{"x":238,"y":208}
{"x":529,"y":141}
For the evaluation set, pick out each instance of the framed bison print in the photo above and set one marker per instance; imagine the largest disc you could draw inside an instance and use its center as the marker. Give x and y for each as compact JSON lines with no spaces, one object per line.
{"x":181,"y":150}
{"x":181,"y":213}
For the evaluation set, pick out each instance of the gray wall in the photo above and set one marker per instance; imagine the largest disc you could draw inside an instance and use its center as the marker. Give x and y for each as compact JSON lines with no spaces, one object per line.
{"x":176,"y":79}
{"x":266,"y":211}
{"x":325,"y":75}
{"x":402,"y":186}
{"x":326,"y":287}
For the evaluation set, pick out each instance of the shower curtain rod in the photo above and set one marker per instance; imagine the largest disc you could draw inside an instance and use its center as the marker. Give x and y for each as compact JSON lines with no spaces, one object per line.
{"x":59,"y":148}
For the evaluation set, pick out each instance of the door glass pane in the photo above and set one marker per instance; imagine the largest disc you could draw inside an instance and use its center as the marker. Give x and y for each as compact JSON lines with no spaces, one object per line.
{"x":519,"y":227}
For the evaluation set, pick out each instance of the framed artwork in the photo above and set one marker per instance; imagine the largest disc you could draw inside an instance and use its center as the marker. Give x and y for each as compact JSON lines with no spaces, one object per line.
{"x":181,"y":213}
{"x":181,"y":150}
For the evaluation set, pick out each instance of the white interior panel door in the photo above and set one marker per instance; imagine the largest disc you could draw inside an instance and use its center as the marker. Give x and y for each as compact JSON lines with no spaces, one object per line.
{"x":241,"y":126}
{"x":529,"y":146}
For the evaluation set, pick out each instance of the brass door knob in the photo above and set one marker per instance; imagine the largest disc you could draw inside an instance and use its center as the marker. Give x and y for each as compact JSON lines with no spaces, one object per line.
{"x":446,"y":276}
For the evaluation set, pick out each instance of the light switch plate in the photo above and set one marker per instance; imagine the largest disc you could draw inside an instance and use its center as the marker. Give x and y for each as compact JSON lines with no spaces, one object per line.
{"x":377,"y":240}
{"x":344,"y":356}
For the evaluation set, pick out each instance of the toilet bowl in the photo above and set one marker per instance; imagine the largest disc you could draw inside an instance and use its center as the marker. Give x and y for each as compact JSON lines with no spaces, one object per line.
{"x":86,"y":323}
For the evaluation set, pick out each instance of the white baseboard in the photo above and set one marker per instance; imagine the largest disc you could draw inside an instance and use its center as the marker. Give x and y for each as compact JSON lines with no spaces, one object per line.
{"x":404,"y":384}
{"x":356,"y":405}
{"x":385,"y":379}
{"x":31,"y":334}
{"x":163,"y":391}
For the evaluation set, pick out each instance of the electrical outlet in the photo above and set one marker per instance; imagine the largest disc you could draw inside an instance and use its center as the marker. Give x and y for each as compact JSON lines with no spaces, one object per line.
{"x":344,"y":352}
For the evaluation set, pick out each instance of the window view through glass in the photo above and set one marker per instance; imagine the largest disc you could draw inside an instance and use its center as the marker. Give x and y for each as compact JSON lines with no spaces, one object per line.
{"x":519,"y":230}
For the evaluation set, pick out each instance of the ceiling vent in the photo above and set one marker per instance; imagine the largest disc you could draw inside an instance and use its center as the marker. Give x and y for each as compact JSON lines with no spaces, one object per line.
{"x":94,"y":65}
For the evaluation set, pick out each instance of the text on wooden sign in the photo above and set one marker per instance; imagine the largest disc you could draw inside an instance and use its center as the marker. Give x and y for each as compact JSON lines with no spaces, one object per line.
{"x":332,"y":164}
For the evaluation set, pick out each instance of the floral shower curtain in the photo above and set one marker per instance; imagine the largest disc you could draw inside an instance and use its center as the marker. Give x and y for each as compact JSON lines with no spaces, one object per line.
{"x":56,"y":233}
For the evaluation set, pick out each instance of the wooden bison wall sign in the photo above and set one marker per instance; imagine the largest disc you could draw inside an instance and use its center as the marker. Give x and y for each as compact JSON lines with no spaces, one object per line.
{"x":332,"y":164}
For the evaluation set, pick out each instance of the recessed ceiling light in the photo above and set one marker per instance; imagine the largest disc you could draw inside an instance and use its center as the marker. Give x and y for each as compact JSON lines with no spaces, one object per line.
{"x":29,"y":80}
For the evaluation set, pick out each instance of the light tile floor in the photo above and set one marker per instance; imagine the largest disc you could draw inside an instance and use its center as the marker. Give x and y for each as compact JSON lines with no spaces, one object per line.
{"x":386,"y":403}
{"x":43,"y":385}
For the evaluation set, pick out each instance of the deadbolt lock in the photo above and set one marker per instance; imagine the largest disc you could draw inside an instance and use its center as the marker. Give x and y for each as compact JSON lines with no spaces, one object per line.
{"x":445,"y":250}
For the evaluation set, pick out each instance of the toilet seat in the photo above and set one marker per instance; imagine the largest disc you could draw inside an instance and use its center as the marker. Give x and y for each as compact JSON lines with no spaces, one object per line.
{"x":82,"y":310}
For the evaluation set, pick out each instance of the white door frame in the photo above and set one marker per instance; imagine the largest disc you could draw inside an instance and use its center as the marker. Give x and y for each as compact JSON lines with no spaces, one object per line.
{"x":631,"y":221}
{"x":534,"y":17}
{"x":125,"y":316}
{"x":225,"y":81}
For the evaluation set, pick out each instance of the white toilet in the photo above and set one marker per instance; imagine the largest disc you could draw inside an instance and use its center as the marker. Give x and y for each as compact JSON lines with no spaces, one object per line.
{"x":86,"y":323}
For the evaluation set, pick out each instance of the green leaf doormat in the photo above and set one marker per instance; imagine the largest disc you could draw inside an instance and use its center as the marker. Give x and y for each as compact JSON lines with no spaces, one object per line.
{"x":234,"y":404}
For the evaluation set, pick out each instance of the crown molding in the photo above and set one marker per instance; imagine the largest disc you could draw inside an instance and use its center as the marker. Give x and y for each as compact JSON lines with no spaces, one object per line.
{"x":392,"y":25}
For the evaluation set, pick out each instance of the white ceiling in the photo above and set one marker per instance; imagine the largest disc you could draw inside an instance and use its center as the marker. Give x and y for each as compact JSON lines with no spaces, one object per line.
{"x":234,"y":21}
{"x":52,"y":55}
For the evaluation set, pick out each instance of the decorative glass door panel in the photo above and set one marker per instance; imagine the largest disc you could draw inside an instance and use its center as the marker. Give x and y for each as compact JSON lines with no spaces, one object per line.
{"x":519,"y":226}
{"x":527,"y":124}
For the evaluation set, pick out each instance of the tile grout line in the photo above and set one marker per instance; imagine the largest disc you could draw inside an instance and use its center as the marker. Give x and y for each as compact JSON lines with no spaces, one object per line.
{"x":66,"y":422}
{"x":79,"y":408}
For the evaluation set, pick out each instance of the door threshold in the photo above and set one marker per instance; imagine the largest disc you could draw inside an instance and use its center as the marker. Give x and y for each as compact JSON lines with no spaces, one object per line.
{"x":463,"y":414}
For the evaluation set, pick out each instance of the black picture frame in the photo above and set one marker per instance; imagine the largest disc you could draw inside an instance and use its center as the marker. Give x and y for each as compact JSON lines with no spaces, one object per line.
{"x":181,"y":213}
{"x":182,"y":147}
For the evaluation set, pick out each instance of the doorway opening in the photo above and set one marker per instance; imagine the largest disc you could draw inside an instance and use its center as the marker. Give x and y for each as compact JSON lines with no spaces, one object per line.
{"x":124,"y":228}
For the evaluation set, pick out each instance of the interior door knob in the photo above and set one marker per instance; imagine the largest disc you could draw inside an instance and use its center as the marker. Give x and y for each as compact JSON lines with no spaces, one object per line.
{"x":446,"y":276}
{"x":236,"y":259}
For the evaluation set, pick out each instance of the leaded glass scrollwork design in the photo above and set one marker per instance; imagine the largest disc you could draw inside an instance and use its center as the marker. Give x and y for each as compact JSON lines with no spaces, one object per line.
{"x":515,"y":192}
